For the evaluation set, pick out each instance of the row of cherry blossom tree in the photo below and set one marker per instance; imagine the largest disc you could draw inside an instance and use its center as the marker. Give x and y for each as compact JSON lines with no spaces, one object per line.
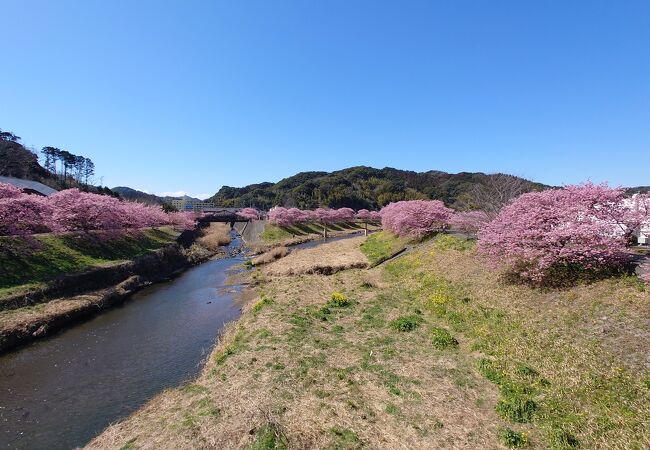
{"x":73,"y":210}
{"x":290,"y":216}
{"x":581,"y":227}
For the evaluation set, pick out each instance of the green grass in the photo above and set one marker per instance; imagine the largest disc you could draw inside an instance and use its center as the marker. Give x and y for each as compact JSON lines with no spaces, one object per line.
{"x":381,"y":246}
{"x":260,"y":304}
{"x":571,"y":391}
{"x":513,"y":439}
{"x":30,"y":261}
{"x":273,"y":233}
{"x":442,"y":339}
{"x":344,"y":439}
{"x":406,"y":323}
{"x":268,"y":437}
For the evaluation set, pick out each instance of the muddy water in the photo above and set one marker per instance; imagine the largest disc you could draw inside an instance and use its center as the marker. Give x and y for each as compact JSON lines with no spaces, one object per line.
{"x":60,"y":392}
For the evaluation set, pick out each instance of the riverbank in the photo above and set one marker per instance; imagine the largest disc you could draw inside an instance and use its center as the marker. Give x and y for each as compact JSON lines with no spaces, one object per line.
{"x":92,"y":278}
{"x":429,"y":350}
{"x":268,"y":236}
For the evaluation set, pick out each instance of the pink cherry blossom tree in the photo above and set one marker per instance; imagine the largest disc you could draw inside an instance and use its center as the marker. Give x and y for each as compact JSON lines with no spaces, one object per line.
{"x":415,"y":218}
{"x":584,"y":226}
{"x":249,"y":213}
{"x":363,"y":214}
{"x":9,"y":191}
{"x":182,"y":220}
{"x":469,"y":222}
{"x":24,"y":214}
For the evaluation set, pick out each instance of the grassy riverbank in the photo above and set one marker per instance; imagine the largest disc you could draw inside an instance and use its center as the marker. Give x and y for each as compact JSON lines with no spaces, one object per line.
{"x":381,"y":246}
{"x":431,"y":350}
{"x":274,"y":234}
{"x":29,"y":261}
{"x":97,"y":272}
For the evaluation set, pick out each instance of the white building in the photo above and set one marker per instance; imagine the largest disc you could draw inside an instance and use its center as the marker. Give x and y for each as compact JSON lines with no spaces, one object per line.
{"x":188,"y":204}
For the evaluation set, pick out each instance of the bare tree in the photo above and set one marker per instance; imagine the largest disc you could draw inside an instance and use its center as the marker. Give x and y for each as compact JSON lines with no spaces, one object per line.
{"x":497,"y":190}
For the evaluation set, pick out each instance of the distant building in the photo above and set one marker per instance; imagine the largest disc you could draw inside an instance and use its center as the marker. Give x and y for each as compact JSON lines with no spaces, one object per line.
{"x":188,"y":204}
{"x":28,"y":186}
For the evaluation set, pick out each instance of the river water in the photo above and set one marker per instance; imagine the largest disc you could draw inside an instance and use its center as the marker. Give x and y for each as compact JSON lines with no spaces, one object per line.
{"x":59,"y":392}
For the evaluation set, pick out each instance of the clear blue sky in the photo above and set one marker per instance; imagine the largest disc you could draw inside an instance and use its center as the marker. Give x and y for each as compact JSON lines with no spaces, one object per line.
{"x":189,"y":96}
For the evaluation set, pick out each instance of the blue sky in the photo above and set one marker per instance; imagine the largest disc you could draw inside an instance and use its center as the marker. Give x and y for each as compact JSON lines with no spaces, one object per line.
{"x":188,"y":96}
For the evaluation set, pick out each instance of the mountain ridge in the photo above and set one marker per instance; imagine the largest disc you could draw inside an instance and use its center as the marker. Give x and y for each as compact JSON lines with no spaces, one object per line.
{"x":361,"y":187}
{"x":144,"y":197}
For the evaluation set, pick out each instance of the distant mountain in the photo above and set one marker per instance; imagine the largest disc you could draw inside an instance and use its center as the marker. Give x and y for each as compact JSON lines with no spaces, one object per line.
{"x":361,"y":187}
{"x":637,"y":190}
{"x":139,"y":196}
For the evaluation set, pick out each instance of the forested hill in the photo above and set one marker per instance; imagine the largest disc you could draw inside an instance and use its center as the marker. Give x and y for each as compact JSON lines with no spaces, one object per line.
{"x":59,"y":169}
{"x":365,"y":187}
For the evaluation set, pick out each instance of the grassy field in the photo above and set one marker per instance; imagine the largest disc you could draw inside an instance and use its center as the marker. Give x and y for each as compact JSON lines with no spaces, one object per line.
{"x":29,"y":261}
{"x":431,"y":350}
{"x":381,"y":246}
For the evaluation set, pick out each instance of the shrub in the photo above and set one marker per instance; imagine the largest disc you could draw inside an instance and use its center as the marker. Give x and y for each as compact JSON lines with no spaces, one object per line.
{"x":406,"y":323}
{"x":338,"y":300}
{"x":513,"y":439}
{"x":415,"y":218}
{"x":560,"y":232}
{"x":442,"y":339}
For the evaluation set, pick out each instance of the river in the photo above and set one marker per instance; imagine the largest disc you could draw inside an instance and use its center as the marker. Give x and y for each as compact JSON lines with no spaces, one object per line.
{"x":59,"y":392}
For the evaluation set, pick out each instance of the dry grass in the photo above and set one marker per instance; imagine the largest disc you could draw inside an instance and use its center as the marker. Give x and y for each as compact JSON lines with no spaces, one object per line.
{"x":322,"y":377}
{"x":580,"y":354}
{"x":296,"y":371}
{"x":215,"y":236}
{"x":270,"y":256}
{"x":325,"y":259}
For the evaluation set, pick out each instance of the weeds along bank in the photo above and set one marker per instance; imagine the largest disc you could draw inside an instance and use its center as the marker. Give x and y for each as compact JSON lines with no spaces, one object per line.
{"x":54,"y":280}
{"x":432,"y":349}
